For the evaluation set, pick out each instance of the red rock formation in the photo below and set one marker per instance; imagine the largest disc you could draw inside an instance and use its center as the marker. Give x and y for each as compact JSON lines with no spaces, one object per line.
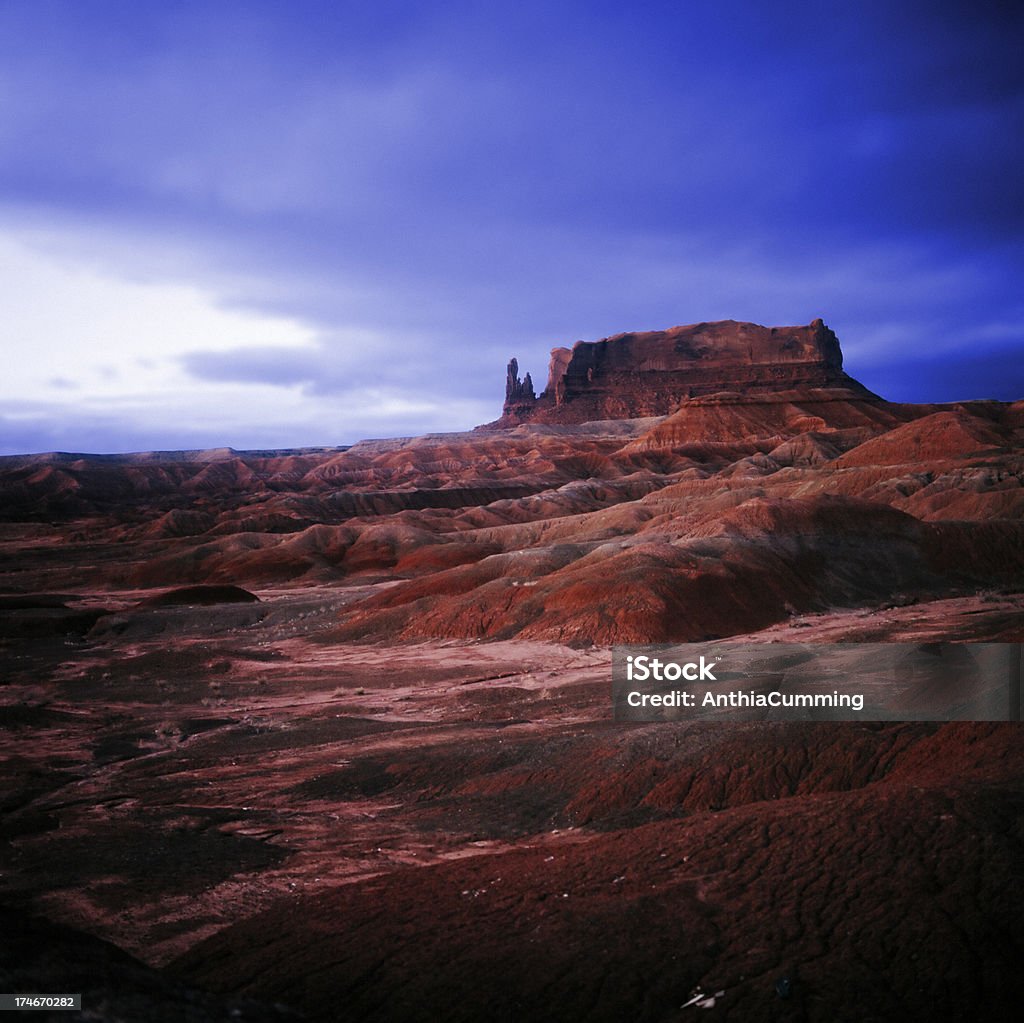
{"x":519,"y":394}
{"x":649,"y":374}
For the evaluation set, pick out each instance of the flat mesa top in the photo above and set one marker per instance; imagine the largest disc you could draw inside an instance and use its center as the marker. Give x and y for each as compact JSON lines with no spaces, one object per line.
{"x":651,"y":373}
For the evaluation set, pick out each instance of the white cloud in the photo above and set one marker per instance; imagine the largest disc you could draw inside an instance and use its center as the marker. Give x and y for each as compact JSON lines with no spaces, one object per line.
{"x":72,"y":323}
{"x":94,"y":360}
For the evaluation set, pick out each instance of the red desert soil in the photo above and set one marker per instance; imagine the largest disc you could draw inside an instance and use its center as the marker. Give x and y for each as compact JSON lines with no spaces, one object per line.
{"x":388,"y":787}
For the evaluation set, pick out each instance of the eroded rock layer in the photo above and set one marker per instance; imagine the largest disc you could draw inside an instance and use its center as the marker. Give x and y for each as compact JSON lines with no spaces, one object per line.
{"x":726,"y":516}
{"x":651,"y":373}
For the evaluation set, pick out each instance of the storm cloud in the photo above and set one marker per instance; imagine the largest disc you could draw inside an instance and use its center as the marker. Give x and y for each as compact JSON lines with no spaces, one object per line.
{"x":423,"y":190}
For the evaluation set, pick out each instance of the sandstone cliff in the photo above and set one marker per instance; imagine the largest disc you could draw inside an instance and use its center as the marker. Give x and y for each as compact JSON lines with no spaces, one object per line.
{"x":628,"y":376}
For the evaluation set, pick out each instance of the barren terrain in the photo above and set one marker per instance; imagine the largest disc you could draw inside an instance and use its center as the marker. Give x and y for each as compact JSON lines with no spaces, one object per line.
{"x":390,"y":787}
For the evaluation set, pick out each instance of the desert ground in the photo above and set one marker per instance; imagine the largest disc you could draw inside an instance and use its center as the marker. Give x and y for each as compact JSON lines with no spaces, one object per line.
{"x":327,"y":734}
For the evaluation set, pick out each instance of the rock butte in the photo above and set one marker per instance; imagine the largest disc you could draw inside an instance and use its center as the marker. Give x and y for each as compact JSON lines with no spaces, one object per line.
{"x":651,"y":373}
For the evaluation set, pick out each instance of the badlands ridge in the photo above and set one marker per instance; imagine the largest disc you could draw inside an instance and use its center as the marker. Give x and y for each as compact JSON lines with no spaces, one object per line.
{"x":794,"y":491}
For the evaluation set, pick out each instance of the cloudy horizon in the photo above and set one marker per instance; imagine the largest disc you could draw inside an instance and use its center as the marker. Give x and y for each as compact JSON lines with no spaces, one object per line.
{"x":280,"y":225}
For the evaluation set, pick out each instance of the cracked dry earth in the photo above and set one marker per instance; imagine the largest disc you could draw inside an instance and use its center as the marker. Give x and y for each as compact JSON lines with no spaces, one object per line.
{"x":268,"y":822}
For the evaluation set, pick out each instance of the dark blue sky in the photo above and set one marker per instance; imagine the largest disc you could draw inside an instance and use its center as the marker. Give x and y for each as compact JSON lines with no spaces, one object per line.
{"x":274,"y":224}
